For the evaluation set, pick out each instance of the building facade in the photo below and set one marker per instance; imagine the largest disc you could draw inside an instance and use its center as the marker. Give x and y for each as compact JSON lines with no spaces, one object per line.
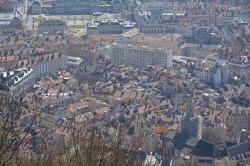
{"x":49,"y":64}
{"x":50,"y":116}
{"x":157,"y":17}
{"x":214,"y":75}
{"x":16,"y":82}
{"x":140,"y":57}
{"x":241,"y":69}
{"x":191,"y":125}
{"x":109,"y":26}
{"x":9,"y":23}
{"x":67,"y":7}
{"x":201,"y":35}
{"x":238,"y":119}
{"x":52,"y":26}
{"x":174,"y":86}
{"x":9,"y":5}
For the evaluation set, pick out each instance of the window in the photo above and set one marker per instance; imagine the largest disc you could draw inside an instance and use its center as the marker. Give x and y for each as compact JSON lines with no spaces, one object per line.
{"x":209,"y":161}
{"x":201,"y":161}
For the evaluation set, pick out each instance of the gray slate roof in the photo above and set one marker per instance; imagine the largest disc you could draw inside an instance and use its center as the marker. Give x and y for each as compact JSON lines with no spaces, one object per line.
{"x":239,"y":151}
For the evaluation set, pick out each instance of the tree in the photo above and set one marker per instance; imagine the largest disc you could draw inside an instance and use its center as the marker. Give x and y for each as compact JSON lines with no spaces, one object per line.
{"x":16,"y":119}
{"x":87,"y":145}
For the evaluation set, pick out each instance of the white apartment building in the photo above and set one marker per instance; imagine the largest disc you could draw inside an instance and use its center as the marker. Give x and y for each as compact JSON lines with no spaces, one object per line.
{"x":140,"y":57}
{"x":49,"y":64}
{"x":41,"y":64}
{"x":16,"y":82}
{"x":156,"y":8}
{"x":58,"y":100}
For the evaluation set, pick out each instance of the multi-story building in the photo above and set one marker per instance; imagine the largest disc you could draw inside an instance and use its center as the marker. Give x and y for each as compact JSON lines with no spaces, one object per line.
{"x":229,"y":20}
{"x":174,"y":86}
{"x":9,"y":23}
{"x":49,"y":64}
{"x":51,"y":26}
{"x":110,"y":26}
{"x":9,"y":5}
{"x":140,"y":57}
{"x":238,"y":119}
{"x":191,"y":125}
{"x":80,"y":107}
{"x":76,"y":7}
{"x":215,"y":75}
{"x":57,"y":100}
{"x":166,"y":23}
{"x":158,"y":17}
{"x":231,"y":17}
{"x":42,"y":65}
{"x":67,"y":7}
{"x":36,"y":8}
{"x":201,"y":35}
{"x":50,"y":116}
{"x":240,"y":68}
{"x":17,"y":81}
{"x":117,"y":6}
{"x":244,"y":97}
{"x":156,"y":8}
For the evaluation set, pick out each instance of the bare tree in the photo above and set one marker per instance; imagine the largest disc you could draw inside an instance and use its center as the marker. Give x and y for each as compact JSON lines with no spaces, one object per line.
{"x":16,"y":119}
{"x":87,"y":145}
